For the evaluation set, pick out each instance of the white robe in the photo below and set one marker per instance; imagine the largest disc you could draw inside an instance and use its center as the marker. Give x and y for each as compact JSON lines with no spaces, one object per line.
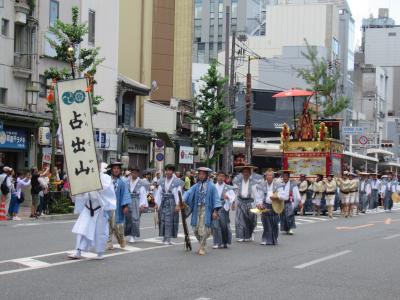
{"x":92,"y":232}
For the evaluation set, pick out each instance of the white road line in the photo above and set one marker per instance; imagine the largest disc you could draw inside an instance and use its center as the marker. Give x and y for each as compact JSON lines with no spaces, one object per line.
{"x":42,"y":223}
{"x":43,"y":265}
{"x":317,"y":218}
{"x":313,"y":262}
{"x":305,"y":220}
{"x":391,"y":237}
{"x":30,"y":262}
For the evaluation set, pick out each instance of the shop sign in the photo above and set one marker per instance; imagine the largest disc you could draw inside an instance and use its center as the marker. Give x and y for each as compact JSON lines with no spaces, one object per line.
{"x":46,"y":155}
{"x":137,"y":146}
{"x":13,"y":138}
{"x":77,"y":131}
{"x":44,"y":136}
{"x":186,"y":155}
{"x":106,"y":141}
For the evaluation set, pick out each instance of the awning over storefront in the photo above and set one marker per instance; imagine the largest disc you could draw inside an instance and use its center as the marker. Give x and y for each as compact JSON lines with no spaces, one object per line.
{"x":390,"y":164}
{"x":360,"y":156}
{"x":259,"y":149}
{"x":165,"y":137}
{"x":141,"y":132}
{"x":134,"y":86}
{"x":379,"y":151}
{"x":24,"y":117}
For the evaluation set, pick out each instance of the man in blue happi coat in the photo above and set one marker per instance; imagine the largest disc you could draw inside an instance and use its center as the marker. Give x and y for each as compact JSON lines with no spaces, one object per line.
{"x":203,"y":200}
{"x":117,"y":217}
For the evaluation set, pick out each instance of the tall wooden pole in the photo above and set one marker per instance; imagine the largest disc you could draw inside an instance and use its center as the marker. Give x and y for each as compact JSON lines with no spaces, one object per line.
{"x":248,"y":136}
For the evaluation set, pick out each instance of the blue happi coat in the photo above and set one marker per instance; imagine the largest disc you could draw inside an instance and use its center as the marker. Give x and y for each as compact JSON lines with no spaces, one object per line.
{"x":123,"y":198}
{"x":212,"y":201}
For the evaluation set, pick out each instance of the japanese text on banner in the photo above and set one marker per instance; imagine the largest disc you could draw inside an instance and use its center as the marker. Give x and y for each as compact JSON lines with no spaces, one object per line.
{"x":77,"y":129}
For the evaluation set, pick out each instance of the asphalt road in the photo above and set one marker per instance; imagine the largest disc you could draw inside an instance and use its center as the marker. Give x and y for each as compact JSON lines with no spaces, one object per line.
{"x":356,"y":258}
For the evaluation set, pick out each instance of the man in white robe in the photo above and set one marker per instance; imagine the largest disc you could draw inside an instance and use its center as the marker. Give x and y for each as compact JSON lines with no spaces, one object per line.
{"x":91,"y":228}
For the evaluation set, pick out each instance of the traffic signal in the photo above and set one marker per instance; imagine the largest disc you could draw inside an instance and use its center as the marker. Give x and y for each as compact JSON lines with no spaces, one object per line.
{"x":387,"y":145}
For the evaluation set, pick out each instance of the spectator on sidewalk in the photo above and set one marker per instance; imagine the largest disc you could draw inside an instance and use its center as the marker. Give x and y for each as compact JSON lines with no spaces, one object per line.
{"x":187,"y":181}
{"x":66,"y":185}
{"x":35,"y":190}
{"x":17,"y":197}
{"x":44,"y":180}
{"x":5,"y":173}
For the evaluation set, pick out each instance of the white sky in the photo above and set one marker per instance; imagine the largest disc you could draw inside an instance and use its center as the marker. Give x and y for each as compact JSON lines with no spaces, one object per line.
{"x":363,"y":8}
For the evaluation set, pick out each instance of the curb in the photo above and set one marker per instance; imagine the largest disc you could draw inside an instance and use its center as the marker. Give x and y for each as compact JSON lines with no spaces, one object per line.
{"x":63,"y":217}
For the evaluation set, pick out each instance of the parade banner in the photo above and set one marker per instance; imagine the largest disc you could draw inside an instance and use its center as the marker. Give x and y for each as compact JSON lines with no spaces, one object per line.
{"x":77,"y":130}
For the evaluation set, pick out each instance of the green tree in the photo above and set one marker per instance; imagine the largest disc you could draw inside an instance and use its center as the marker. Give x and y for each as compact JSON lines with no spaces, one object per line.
{"x":211,"y":116}
{"x":323,"y":80}
{"x":66,"y":39}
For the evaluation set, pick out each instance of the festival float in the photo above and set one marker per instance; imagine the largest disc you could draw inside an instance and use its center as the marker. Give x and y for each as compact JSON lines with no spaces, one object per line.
{"x":310,"y":149}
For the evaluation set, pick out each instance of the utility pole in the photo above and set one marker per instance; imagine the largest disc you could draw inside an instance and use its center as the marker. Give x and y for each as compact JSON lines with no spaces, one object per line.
{"x":231,"y":102}
{"x":247,"y":131}
{"x":227,"y":150}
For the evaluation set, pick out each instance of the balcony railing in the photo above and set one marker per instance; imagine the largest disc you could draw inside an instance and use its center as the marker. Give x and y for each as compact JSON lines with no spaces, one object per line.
{"x":22,"y":61}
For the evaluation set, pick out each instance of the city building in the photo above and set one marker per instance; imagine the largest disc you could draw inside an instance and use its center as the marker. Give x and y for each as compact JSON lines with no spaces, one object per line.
{"x":376,"y":90}
{"x":156,"y":68}
{"x":247,"y":17}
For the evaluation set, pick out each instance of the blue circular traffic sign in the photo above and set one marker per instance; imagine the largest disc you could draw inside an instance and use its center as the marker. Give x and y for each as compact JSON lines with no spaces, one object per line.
{"x":160,"y":157}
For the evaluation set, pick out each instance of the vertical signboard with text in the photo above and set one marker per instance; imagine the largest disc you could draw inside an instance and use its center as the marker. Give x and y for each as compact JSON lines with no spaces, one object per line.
{"x":78,"y":141}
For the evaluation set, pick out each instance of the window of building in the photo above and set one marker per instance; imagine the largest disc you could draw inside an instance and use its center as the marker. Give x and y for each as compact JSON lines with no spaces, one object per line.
{"x":212,"y":9}
{"x":198,"y":9}
{"x":43,"y":86}
{"x":219,"y":46}
{"x":197,"y":32}
{"x":211,"y":50}
{"x":54,"y":10}
{"x":128,"y":109}
{"x":392,"y":33}
{"x":4,"y":27}
{"x":234,"y":9}
{"x":22,"y":47}
{"x":220,"y":8}
{"x":211,"y":32}
{"x":219,"y":32}
{"x":92,"y":27}
{"x":3,"y":95}
{"x":201,"y":47}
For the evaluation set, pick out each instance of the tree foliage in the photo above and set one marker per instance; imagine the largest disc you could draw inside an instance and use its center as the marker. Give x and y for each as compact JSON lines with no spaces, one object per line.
{"x":211,"y":116}
{"x":84,"y":60}
{"x":323,"y":79}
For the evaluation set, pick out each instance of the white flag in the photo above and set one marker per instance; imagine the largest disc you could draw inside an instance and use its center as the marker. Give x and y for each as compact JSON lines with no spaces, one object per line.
{"x":211,"y":152}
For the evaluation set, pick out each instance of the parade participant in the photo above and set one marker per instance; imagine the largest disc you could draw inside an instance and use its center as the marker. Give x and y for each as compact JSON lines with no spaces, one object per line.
{"x":204,"y":203}
{"x":364,"y":191}
{"x":138,"y":191}
{"x":304,"y":185}
{"x":278,"y":178}
{"x":353,"y":199}
{"x":319,"y":189}
{"x":91,"y":228}
{"x":222,"y":234}
{"x":375,"y":188}
{"x":388,"y":188}
{"x":330,"y":193}
{"x":167,"y":204}
{"x":116,"y":221}
{"x":269,"y":219}
{"x":289,"y":193}
{"x":344,"y":185}
{"x":245,"y":220}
